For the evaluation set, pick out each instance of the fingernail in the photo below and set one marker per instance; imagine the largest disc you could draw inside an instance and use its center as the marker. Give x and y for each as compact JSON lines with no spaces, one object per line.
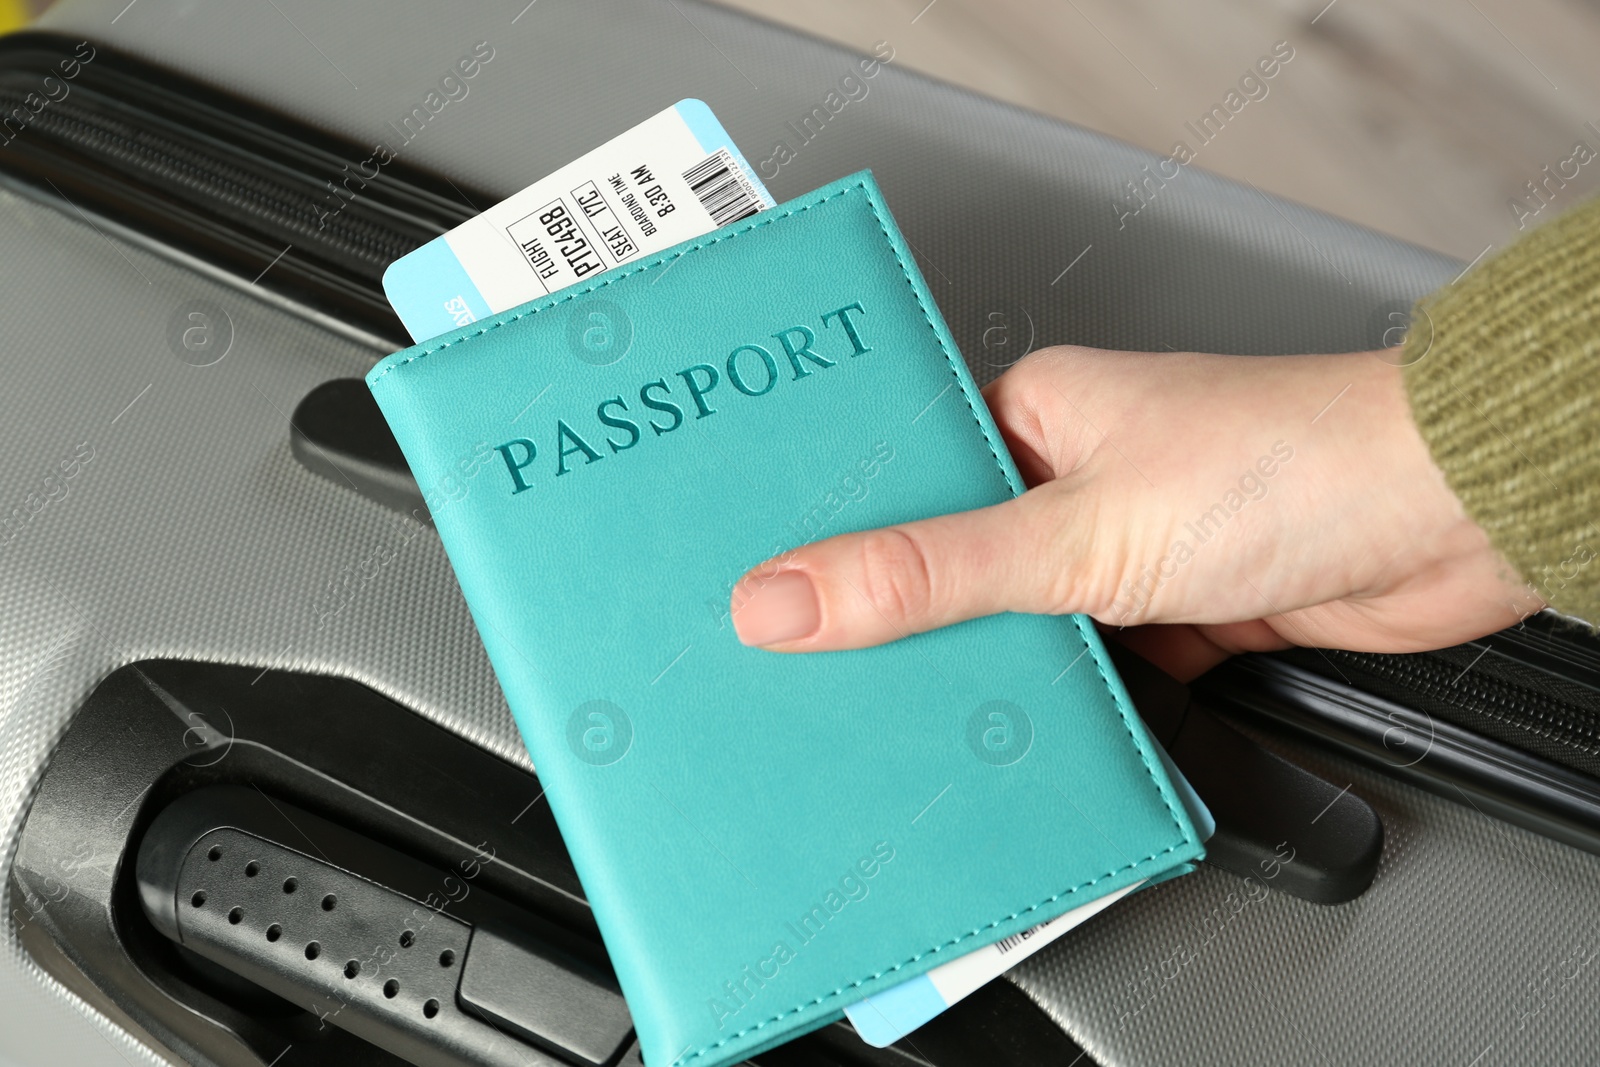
{"x":783,"y":609}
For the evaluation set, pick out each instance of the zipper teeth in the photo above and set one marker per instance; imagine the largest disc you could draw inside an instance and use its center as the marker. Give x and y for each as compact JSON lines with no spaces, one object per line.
{"x":1491,"y":697}
{"x":194,"y":171}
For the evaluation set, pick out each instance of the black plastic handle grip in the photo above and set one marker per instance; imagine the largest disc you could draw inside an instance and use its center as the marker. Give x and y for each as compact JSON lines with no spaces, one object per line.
{"x":1275,"y":820}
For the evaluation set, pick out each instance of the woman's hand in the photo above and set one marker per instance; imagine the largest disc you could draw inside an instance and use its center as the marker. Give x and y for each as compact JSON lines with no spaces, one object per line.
{"x":1216,"y":503}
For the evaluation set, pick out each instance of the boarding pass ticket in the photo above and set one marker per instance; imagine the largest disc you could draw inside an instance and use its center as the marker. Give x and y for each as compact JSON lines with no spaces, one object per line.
{"x":884,"y":1018}
{"x":671,"y":178}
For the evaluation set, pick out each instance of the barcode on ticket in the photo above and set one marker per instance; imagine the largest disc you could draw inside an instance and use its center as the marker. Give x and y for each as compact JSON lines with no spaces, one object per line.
{"x":1006,"y":944}
{"x":721,"y":189}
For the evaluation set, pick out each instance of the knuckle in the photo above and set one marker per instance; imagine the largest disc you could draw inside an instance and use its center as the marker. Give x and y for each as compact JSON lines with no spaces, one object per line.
{"x":1042,"y":404}
{"x":1057,"y":363}
{"x":1030,"y":378}
{"x":896,"y":576}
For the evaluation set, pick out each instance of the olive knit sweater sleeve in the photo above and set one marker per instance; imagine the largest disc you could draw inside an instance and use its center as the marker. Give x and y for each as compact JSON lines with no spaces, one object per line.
{"x":1503,"y":370}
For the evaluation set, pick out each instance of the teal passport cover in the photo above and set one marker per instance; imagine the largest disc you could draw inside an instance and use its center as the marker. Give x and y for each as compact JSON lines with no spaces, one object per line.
{"x":766,"y":838}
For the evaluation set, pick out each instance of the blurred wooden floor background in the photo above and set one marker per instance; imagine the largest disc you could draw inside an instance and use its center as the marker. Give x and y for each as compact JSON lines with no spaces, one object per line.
{"x":1421,"y":118}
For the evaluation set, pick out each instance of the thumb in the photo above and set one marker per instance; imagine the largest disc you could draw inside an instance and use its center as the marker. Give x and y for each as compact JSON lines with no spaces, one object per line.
{"x":867,"y":588}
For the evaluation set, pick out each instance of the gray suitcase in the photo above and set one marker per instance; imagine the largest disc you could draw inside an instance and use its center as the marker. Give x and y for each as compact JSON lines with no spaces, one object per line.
{"x":195,"y":529}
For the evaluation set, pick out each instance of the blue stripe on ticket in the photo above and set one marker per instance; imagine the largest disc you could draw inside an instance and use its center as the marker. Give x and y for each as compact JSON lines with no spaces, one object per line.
{"x":413,"y":284}
{"x":894,"y":1013}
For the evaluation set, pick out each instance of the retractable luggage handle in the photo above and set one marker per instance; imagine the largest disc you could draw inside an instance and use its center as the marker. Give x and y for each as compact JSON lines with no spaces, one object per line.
{"x":1275,"y":820}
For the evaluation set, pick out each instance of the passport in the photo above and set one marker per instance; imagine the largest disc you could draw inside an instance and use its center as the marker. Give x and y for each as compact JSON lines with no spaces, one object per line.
{"x":766,"y":839}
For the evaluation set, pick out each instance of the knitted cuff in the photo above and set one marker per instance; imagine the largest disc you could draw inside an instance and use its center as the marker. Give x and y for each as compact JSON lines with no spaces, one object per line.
{"x":1502,"y":370}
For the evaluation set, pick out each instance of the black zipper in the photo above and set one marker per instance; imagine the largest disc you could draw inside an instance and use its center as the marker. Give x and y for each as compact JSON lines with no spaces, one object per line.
{"x":301,"y":216}
{"x":292,"y":210}
{"x":1535,"y":687}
